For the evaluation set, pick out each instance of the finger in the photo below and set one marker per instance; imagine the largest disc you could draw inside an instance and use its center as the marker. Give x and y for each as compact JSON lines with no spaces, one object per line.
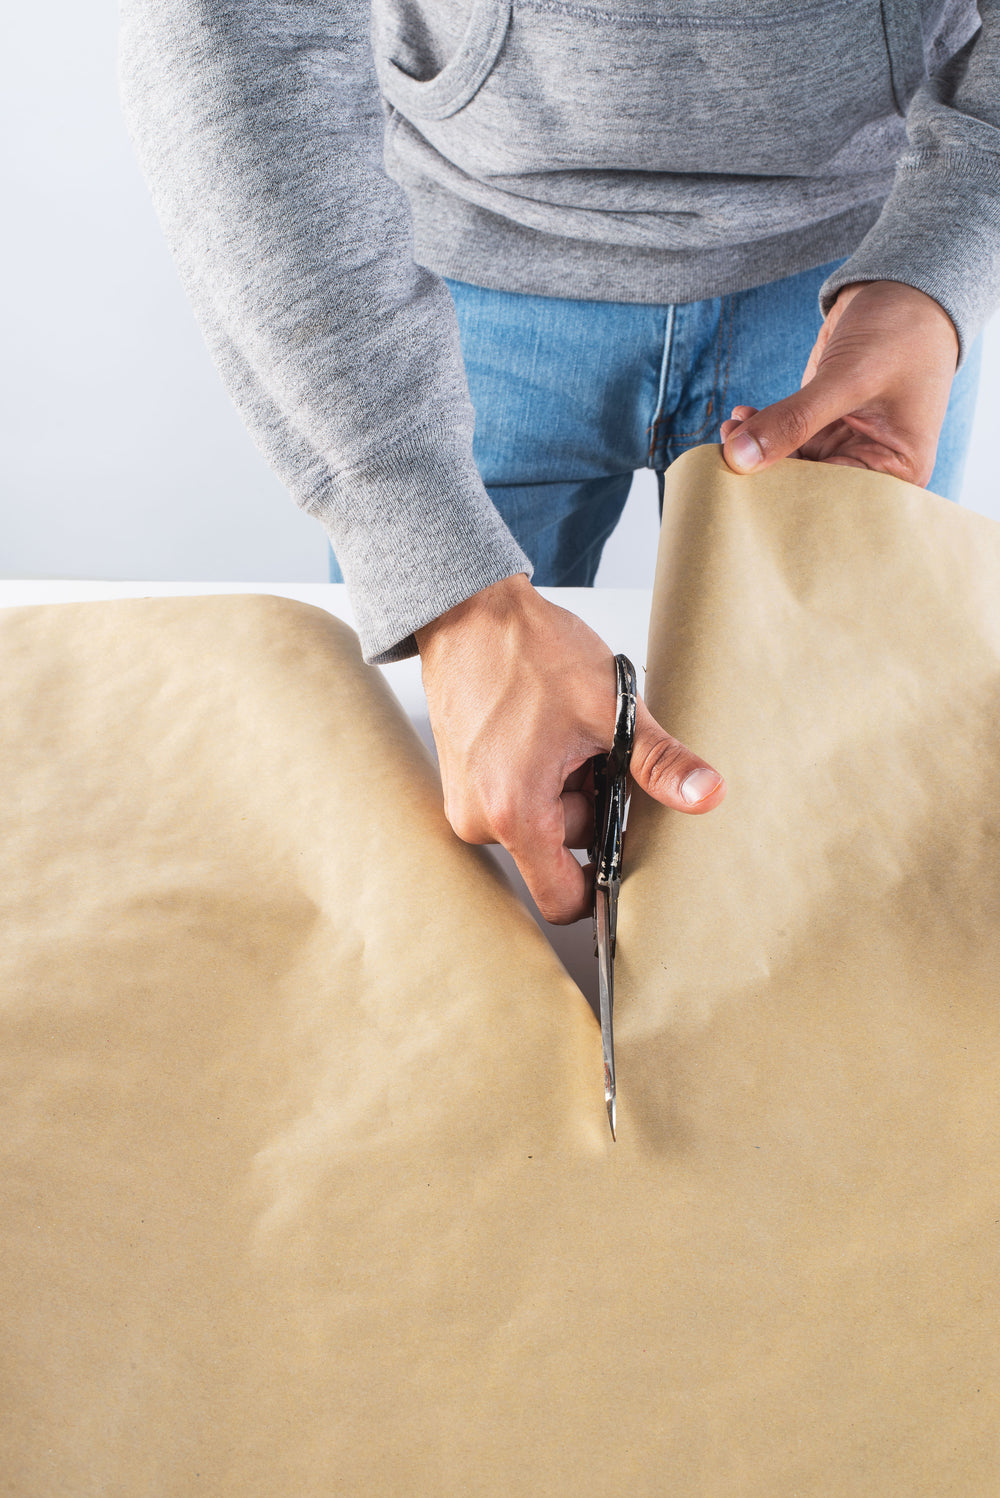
{"x":668,"y":771}
{"x":854,"y":446}
{"x":578,"y":815}
{"x":581,"y":778}
{"x":780,"y":430}
{"x":740,"y":414}
{"x":557,"y":883}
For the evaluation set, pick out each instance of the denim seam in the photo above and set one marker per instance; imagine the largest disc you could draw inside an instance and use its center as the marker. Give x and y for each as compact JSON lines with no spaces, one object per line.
{"x":661,"y":394}
{"x":727,"y":313}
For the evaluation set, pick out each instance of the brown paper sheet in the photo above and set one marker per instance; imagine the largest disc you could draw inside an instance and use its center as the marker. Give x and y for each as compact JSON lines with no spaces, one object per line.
{"x":306,"y":1175}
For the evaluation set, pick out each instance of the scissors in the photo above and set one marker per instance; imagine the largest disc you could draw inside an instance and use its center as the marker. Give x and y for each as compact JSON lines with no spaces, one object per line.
{"x":610,"y":802}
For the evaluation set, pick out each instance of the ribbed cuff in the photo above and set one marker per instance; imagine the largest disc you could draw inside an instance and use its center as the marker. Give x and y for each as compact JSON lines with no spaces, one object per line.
{"x":940,"y":233}
{"x":415,"y":533}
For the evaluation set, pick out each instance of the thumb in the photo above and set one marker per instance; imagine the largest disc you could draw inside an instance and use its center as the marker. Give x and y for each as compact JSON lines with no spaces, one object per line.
{"x":669,"y":772}
{"x":779,"y":431}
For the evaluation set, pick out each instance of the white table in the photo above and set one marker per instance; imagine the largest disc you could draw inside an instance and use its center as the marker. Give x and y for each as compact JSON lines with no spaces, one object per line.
{"x":619,"y":615}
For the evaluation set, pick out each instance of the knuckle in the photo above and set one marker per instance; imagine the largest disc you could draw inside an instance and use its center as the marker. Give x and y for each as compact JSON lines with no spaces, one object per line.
{"x":464,"y":822}
{"x":793,"y":424}
{"x":521,"y":823}
{"x":464,"y":828}
{"x":661,"y":764}
{"x":504,"y":820}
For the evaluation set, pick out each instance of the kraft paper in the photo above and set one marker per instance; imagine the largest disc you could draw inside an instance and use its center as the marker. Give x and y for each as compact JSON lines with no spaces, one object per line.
{"x":307,"y":1181}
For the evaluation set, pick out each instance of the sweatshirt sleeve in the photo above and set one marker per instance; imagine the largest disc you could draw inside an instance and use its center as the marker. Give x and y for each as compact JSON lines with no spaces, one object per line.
{"x":259,"y":127}
{"x":939,"y":230}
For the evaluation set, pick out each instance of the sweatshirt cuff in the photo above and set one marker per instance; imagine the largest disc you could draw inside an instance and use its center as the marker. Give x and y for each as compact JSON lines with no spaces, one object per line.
{"x":415,"y":533}
{"x":940,"y":233}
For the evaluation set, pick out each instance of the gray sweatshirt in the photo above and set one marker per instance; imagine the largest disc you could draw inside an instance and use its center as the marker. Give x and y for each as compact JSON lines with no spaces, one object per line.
{"x":315,"y":162}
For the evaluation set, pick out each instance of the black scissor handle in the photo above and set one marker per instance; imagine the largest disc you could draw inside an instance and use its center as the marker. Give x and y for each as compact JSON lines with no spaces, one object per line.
{"x":621,"y":750}
{"x":611,"y":777}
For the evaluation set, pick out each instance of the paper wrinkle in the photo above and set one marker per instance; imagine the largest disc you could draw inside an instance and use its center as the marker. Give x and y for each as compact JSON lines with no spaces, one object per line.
{"x":307,"y":1178}
{"x":834,"y":789}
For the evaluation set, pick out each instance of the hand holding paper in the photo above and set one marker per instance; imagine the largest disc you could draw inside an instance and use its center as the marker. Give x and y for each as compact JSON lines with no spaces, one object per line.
{"x":874,"y":393}
{"x":522,"y":696}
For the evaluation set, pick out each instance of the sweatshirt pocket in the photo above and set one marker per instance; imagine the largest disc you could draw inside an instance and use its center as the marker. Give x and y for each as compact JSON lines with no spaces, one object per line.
{"x":728,"y":87}
{"x":905,"y":45}
{"x":401,"y":32}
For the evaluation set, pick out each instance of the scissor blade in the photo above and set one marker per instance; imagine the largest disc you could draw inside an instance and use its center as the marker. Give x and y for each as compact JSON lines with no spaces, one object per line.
{"x":604,"y":900}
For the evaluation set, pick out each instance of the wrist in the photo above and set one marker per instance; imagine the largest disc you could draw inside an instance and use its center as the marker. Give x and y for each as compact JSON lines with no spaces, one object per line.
{"x":920,"y":308}
{"x":489,"y":606}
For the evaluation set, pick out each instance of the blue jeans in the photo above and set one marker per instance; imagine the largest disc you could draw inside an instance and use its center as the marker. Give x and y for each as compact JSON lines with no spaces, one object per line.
{"x":572,"y":397}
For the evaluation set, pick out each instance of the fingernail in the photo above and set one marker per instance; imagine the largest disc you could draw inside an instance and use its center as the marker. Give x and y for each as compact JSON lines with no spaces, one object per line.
{"x":699,"y":784}
{"x":745,"y":451}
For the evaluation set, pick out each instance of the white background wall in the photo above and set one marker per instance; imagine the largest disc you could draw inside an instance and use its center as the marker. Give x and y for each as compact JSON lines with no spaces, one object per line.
{"x":122,"y":457}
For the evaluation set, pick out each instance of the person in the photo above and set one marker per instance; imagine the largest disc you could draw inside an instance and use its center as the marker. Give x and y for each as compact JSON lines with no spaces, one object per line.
{"x":704,"y":201}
